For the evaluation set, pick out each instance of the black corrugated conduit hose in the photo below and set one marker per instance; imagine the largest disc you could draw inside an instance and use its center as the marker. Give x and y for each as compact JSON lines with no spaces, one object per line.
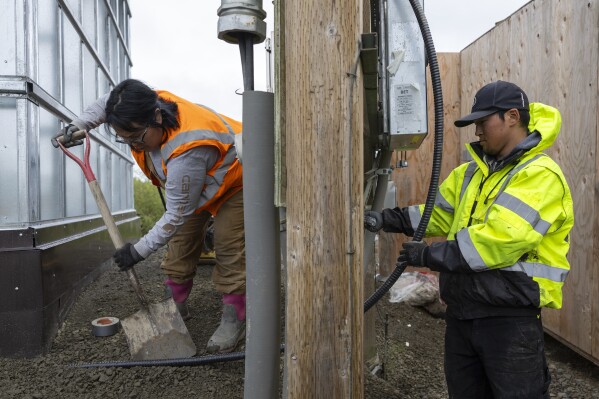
{"x":418,"y":234}
{"x":191,"y":361}
{"x":437,"y":152}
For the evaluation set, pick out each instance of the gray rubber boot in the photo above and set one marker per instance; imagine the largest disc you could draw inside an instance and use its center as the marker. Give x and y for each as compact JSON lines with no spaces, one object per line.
{"x":181,"y":307}
{"x":229,"y":332}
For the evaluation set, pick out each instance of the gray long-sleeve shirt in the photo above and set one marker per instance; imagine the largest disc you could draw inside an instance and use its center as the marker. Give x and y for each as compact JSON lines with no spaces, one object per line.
{"x":94,"y":115}
{"x":184,"y":189}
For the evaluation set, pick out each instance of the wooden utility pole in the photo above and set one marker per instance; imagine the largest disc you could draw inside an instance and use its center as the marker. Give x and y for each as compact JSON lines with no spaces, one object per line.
{"x":323,"y":120}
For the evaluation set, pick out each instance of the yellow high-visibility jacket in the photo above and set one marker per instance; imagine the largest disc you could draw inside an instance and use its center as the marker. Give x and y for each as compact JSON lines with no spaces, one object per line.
{"x":507,"y":225}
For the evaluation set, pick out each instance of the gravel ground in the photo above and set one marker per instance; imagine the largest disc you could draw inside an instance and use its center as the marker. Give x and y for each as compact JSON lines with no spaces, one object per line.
{"x":411,"y":350}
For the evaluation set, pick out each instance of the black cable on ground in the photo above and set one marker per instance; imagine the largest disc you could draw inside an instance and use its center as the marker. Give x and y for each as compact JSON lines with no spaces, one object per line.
{"x":191,"y":361}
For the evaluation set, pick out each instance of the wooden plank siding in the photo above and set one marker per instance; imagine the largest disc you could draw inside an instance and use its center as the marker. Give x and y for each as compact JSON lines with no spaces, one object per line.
{"x":550,"y":49}
{"x":323,"y":132}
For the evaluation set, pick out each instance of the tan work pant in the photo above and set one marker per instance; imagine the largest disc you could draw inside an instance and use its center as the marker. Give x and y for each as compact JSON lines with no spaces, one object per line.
{"x":184,"y":248}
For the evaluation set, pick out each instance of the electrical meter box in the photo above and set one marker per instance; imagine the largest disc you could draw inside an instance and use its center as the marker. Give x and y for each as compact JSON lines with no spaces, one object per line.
{"x":404,"y":77}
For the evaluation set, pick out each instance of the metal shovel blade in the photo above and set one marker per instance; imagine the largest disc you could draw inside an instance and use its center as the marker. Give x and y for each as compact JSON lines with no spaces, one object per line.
{"x":158,"y":332}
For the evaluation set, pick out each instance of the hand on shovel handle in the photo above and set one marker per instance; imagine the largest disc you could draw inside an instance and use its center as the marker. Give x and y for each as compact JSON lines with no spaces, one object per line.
{"x":126,"y":257}
{"x":70,"y":136}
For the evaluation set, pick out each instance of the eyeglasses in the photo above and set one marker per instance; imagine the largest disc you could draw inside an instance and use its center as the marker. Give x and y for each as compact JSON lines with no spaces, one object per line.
{"x":133,"y":141}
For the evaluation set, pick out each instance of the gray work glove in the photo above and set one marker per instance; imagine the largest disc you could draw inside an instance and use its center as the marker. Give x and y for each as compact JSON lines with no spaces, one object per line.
{"x":126,"y":256}
{"x":373,"y":221}
{"x":67,"y":134}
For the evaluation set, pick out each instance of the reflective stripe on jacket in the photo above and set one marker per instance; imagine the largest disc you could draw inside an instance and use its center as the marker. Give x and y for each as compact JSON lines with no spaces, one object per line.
{"x":512,"y":227}
{"x":200,"y":126}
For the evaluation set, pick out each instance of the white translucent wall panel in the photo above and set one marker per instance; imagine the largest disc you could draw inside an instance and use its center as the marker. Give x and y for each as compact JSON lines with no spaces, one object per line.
{"x":118,"y":183}
{"x":104,"y":172}
{"x":51,"y":168}
{"x":103,"y":21}
{"x":130,"y":195}
{"x":48,"y":67}
{"x":124,"y":62}
{"x":8,"y":33}
{"x":29,"y":158}
{"x":122,"y":16}
{"x":72,"y":67}
{"x":90,"y":80}
{"x":8,"y":160}
{"x":113,"y":59}
{"x":125,"y":30}
{"x":88,"y":19}
{"x":104,"y":85}
{"x":75,"y":6}
{"x":122,"y":182}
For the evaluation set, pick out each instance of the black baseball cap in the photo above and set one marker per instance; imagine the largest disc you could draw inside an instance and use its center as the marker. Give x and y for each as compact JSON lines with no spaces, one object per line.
{"x":493,"y":97}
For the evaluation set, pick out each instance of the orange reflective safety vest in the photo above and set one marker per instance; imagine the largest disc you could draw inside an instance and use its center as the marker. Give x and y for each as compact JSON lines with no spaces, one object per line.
{"x":200,"y":126}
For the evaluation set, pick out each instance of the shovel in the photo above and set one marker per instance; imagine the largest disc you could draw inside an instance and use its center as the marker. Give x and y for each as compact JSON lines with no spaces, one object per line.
{"x":157,"y":331}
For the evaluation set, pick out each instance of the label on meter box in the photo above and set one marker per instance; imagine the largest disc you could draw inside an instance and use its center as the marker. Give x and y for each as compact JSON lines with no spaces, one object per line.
{"x":406,"y":98}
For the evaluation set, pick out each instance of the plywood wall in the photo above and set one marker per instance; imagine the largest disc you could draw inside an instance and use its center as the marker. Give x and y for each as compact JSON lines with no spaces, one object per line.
{"x":550,"y":49}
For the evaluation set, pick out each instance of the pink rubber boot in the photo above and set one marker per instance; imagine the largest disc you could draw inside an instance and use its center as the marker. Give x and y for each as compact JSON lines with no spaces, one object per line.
{"x":237,"y":300}
{"x":179,"y":293}
{"x":232,"y":325}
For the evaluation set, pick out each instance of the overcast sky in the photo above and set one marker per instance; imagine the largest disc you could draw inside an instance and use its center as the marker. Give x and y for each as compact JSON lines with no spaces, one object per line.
{"x":175,"y":47}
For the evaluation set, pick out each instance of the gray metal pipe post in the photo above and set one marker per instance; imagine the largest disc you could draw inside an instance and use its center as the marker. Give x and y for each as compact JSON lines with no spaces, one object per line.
{"x":263,"y":258}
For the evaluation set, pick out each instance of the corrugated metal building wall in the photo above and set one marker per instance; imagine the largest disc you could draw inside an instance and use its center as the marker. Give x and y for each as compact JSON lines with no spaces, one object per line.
{"x":56,"y":57}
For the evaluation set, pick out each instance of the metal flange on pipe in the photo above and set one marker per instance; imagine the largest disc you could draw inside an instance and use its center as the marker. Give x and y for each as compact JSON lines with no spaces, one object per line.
{"x":241,"y":17}
{"x":242,"y":23}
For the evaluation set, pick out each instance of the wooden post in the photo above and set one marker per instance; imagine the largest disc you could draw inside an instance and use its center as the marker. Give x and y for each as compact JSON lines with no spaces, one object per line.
{"x":323,"y":129}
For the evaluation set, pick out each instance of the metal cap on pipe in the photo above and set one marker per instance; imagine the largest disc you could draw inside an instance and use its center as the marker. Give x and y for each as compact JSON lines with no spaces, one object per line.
{"x":241,"y":17}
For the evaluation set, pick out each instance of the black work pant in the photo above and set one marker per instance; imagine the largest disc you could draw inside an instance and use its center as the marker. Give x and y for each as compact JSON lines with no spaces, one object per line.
{"x":496,"y":357}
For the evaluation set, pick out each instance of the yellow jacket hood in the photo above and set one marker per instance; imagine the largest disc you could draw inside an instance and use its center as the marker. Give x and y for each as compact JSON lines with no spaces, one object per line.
{"x":547,"y":121}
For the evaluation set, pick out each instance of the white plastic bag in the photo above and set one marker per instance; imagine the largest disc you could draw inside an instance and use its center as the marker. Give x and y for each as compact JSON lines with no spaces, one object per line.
{"x":415,"y":288}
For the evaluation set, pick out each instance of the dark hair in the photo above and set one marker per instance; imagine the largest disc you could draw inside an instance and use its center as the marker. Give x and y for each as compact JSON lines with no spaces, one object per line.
{"x":133,"y":102}
{"x":524,"y":117}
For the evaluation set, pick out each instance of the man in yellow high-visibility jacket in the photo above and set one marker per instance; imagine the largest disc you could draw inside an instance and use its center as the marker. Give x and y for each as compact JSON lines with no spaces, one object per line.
{"x":507,"y":216}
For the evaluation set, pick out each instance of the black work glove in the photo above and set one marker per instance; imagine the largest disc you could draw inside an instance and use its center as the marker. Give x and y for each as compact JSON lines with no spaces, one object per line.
{"x":413,"y":253}
{"x":373,"y":221}
{"x":67,"y":134}
{"x":126,"y":256}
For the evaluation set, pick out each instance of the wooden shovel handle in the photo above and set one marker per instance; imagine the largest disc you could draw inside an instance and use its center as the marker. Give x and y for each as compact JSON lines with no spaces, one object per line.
{"x":113,"y":230}
{"x":116,"y":237}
